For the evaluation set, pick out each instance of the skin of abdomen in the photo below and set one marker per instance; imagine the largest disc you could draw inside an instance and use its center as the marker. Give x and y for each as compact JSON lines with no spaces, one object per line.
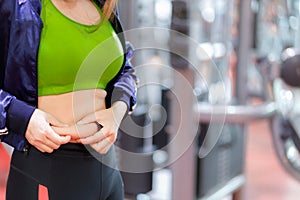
{"x":71,"y":107}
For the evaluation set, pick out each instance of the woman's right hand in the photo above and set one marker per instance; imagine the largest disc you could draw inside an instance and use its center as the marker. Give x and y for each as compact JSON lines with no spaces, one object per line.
{"x":40,"y":134}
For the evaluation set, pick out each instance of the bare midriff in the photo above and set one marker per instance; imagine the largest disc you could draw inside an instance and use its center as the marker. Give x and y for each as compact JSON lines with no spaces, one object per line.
{"x":74,"y":58}
{"x":71,"y":107}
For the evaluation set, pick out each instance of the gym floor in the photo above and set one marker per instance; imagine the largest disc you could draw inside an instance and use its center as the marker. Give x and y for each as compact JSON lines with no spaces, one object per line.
{"x":266,"y":179}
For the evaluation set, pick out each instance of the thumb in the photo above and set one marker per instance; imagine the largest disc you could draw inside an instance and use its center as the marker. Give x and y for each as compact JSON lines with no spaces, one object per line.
{"x":57,"y":138}
{"x":87,"y":119}
{"x":65,"y":139}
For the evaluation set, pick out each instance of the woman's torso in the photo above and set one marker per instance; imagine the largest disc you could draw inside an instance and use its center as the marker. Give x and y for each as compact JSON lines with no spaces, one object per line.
{"x":75,"y":61}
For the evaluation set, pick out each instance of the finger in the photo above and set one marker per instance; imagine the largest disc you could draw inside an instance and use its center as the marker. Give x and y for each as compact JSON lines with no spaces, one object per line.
{"x":50,"y":144}
{"x":64,"y":131}
{"x":88,"y":119}
{"x":77,"y":131}
{"x":101,"y":146}
{"x":105,"y":149}
{"x":112,"y":138}
{"x":97,"y":137}
{"x":43,"y":148}
{"x":57,"y":139}
{"x":41,"y":138}
{"x":75,"y":140}
{"x":94,"y":138}
{"x":87,"y":130}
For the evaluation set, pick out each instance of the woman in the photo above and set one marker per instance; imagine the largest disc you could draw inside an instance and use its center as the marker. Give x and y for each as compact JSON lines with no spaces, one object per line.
{"x":65,"y":84}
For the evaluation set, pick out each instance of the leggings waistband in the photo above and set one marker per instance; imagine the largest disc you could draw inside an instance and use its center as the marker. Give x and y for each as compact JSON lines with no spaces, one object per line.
{"x":78,"y":150}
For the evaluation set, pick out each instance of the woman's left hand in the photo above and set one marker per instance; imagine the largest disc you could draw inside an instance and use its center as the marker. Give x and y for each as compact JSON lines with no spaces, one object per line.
{"x":110,"y":120}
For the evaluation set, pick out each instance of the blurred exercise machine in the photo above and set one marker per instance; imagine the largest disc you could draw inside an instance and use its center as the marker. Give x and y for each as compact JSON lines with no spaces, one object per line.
{"x":237,"y":51}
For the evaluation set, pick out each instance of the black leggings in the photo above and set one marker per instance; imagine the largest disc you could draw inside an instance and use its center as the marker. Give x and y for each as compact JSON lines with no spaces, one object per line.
{"x":67,"y":173}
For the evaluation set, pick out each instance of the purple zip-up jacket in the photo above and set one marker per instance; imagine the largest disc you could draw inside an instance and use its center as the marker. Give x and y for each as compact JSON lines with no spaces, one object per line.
{"x":20,"y":28}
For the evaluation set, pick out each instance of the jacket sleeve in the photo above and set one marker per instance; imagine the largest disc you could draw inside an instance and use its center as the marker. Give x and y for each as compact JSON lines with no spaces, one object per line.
{"x":5,"y":98}
{"x":14,"y":118}
{"x":14,"y":114}
{"x":124,"y":86}
{"x":5,"y":19}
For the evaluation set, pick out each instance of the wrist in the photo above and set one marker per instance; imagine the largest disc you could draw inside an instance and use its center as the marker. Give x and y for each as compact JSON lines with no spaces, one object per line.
{"x":119,"y":109}
{"x":119,"y":106}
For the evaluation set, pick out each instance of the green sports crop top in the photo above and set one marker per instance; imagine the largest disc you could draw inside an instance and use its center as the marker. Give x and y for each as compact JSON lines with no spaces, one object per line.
{"x":74,"y":56}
